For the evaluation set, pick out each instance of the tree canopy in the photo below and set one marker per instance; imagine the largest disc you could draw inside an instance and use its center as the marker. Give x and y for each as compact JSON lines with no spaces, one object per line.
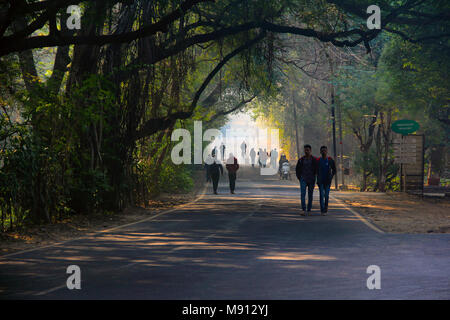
{"x":87,"y":114}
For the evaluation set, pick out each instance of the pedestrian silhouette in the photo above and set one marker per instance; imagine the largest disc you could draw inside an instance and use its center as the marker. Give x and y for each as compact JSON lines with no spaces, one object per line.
{"x":232,"y":167}
{"x":209,"y":160}
{"x":222,"y":150}
{"x":243,"y":149}
{"x":325,"y":172}
{"x":260,"y":156}
{"x":273,"y":158}
{"x":306,"y":171}
{"x":264,"y":156}
{"x":216,"y":170}
{"x":252,"y":156}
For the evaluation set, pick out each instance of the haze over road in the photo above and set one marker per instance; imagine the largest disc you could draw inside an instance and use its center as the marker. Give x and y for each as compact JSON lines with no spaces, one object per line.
{"x":251,"y":245}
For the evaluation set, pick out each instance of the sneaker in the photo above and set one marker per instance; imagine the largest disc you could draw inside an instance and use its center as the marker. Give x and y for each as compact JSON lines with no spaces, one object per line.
{"x":323,"y":213}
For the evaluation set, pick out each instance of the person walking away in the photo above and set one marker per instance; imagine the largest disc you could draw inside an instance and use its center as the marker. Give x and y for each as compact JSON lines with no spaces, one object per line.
{"x":243,"y":150}
{"x":260,"y":157}
{"x":264,"y":157}
{"x":325,"y":174}
{"x":222,"y":150}
{"x":253,"y":156}
{"x":208,"y":162}
{"x":216,"y":170}
{"x":282,"y":160}
{"x":273,"y":158}
{"x":232,"y":167}
{"x":306,"y":171}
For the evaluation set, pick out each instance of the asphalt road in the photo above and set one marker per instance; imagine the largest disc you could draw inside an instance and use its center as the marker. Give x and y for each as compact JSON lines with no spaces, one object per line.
{"x":251,"y":245}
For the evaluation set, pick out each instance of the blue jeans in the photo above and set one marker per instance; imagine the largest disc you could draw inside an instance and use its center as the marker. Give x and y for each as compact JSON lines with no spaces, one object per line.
{"x":303,"y":185}
{"x":324,"y":192}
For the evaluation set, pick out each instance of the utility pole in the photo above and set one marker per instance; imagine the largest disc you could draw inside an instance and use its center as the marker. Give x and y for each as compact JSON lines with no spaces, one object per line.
{"x":341,"y":146}
{"x":333,"y":116}
{"x":297,"y":143}
{"x":333,"y":119}
{"x":296,"y":132}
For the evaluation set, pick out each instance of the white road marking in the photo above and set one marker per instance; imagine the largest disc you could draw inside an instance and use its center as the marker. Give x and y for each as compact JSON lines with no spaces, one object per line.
{"x":50,"y":290}
{"x":361,"y":218}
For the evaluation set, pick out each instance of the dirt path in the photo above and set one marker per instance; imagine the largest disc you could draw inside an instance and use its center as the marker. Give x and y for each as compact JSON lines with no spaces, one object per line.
{"x":399,"y":212}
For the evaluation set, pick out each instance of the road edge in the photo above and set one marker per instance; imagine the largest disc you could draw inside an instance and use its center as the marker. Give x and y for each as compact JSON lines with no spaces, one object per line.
{"x":198,"y":197}
{"x":359,"y":216}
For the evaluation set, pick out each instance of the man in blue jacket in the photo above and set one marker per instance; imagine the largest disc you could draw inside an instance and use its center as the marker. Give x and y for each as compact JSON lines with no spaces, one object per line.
{"x":325,"y":173}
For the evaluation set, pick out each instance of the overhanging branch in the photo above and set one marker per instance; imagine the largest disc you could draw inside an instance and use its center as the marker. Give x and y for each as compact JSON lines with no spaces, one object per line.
{"x":235,"y":108}
{"x":13,"y":43}
{"x":154,"y":125}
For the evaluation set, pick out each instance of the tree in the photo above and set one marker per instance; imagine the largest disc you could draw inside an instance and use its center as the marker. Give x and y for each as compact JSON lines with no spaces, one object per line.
{"x":138,"y":69}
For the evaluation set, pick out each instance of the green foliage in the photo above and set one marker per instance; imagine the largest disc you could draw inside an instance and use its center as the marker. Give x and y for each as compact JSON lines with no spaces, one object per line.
{"x":174,"y":179}
{"x":46,"y":173}
{"x":74,"y":150}
{"x":416,"y":78}
{"x":409,"y":81}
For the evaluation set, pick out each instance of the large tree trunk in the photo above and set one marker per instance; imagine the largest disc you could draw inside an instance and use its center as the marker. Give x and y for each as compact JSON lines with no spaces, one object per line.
{"x":435,"y":162}
{"x":386,"y":120}
{"x":365,"y":138}
{"x":379,"y":148}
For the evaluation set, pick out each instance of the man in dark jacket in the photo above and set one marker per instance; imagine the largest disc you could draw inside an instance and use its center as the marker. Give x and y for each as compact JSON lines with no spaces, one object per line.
{"x":208,"y":161}
{"x":222,"y":150}
{"x":215,"y":171}
{"x":232,"y":166}
{"x":325,"y":173}
{"x":306,"y":171}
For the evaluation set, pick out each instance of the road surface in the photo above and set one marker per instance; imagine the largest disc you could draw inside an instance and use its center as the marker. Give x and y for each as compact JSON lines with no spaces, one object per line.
{"x":251,"y":245}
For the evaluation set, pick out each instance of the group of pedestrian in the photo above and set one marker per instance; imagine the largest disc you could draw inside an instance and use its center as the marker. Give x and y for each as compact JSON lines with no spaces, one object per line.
{"x":222,"y":149}
{"x":310,"y":170}
{"x":214,"y":170}
{"x":263,"y":156}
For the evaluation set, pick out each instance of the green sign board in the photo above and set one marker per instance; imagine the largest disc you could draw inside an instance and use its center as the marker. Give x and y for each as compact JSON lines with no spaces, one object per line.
{"x":405,"y":126}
